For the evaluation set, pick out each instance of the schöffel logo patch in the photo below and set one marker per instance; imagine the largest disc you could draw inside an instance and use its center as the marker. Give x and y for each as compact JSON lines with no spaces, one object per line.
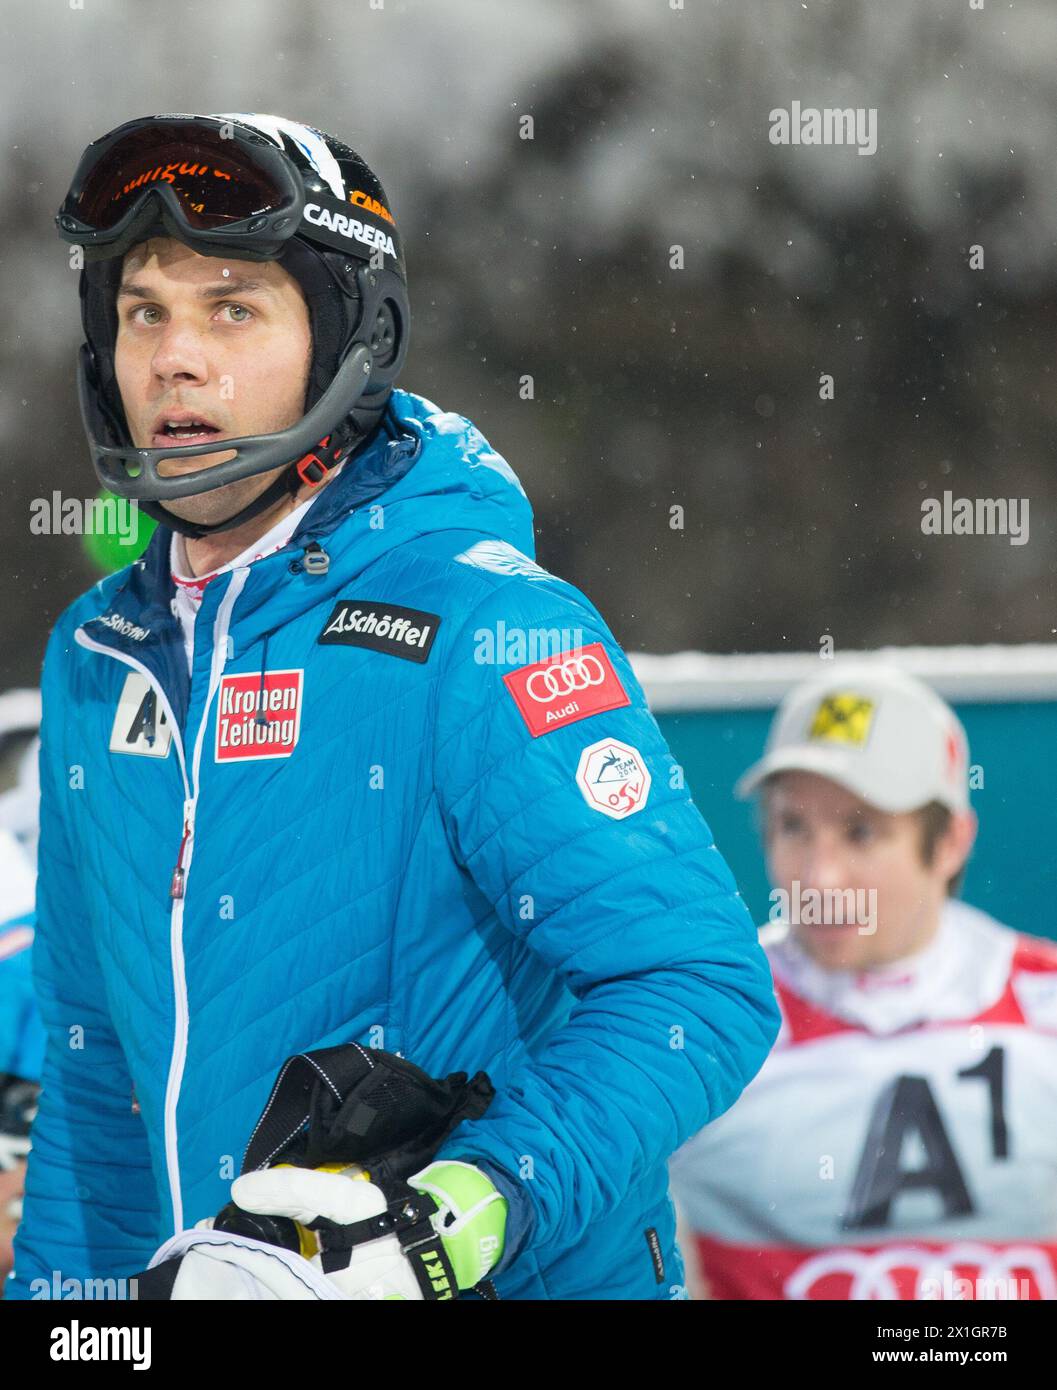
{"x":255,"y":723}
{"x":124,"y":627}
{"x":562,"y":689}
{"x":381,"y":627}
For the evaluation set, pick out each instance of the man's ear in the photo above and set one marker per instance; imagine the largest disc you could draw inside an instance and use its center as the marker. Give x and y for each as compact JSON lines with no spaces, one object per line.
{"x":955,"y":844}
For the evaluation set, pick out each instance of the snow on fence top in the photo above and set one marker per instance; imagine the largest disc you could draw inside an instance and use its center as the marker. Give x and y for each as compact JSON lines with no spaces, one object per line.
{"x":697,"y":680}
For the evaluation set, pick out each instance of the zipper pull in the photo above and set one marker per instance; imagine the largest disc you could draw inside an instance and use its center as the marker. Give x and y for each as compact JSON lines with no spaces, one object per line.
{"x":176,"y":888}
{"x":316,"y":560}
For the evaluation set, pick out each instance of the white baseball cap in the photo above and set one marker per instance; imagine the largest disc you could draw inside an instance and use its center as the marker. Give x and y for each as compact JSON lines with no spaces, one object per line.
{"x":875,"y":730}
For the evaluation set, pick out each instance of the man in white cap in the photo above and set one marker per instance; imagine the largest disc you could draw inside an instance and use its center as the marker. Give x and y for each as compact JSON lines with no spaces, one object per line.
{"x":900,"y":1141}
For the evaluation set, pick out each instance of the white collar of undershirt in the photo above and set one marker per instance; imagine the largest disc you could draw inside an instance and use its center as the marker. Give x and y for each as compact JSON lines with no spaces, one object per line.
{"x":272,"y":540}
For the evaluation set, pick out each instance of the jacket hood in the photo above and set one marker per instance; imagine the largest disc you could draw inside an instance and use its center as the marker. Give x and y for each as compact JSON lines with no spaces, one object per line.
{"x":432,"y":470}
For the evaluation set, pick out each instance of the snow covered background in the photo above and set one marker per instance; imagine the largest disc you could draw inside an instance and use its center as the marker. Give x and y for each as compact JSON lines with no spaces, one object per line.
{"x":654,"y":387}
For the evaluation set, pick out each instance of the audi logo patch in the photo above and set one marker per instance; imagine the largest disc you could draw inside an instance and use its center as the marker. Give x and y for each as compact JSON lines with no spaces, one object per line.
{"x":564,"y":688}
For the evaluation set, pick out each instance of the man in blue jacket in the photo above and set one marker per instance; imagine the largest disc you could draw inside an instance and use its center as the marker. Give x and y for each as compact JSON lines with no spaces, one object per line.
{"x":337,"y":762}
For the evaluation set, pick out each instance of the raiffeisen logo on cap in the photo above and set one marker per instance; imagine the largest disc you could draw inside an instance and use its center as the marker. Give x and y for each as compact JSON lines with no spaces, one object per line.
{"x":843,"y":718}
{"x":255,"y":721}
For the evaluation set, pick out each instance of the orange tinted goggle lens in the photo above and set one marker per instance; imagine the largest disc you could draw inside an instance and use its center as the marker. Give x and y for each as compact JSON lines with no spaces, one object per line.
{"x":215,"y":181}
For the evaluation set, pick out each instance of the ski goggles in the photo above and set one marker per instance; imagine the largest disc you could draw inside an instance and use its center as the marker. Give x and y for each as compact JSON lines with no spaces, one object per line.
{"x":215,"y":185}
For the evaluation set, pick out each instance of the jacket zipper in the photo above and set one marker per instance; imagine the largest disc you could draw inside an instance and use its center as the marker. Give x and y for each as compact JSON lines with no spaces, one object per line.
{"x":178,"y":883}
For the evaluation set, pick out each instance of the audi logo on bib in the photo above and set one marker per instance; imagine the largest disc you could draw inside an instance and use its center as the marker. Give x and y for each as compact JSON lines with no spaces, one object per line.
{"x":964,"y":1270}
{"x":567,"y":687}
{"x":899,"y":1270}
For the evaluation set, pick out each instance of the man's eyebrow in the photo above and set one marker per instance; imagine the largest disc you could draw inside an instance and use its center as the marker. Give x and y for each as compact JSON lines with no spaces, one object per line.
{"x":221,"y":290}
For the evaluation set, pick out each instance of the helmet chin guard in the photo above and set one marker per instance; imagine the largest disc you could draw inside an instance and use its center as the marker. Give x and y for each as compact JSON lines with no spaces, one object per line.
{"x":344,"y":254}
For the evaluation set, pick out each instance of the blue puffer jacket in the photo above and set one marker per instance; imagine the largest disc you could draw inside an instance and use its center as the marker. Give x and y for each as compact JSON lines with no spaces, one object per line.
{"x":397,"y":854}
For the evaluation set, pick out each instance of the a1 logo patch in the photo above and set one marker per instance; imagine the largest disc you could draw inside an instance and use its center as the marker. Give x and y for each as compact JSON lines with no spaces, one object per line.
{"x":565,"y":688}
{"x":614,"y":778}
{"x":257,"y":721}
{"x":140,"y":725}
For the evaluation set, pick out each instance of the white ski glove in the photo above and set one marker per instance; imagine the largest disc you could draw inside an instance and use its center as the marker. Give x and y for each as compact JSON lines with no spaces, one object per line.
{"x":470,"y":1224}
{"x":378,"y":1268}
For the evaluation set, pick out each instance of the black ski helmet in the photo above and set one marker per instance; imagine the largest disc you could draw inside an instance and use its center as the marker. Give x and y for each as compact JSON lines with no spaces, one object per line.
{"x":250,"y":187}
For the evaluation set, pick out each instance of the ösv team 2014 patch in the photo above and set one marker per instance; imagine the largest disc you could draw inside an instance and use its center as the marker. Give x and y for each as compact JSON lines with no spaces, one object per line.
{"x":565,"y":688}
{"x":381,"y":627}
{"x":255,"y":722}
{"x":613,"y":778}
